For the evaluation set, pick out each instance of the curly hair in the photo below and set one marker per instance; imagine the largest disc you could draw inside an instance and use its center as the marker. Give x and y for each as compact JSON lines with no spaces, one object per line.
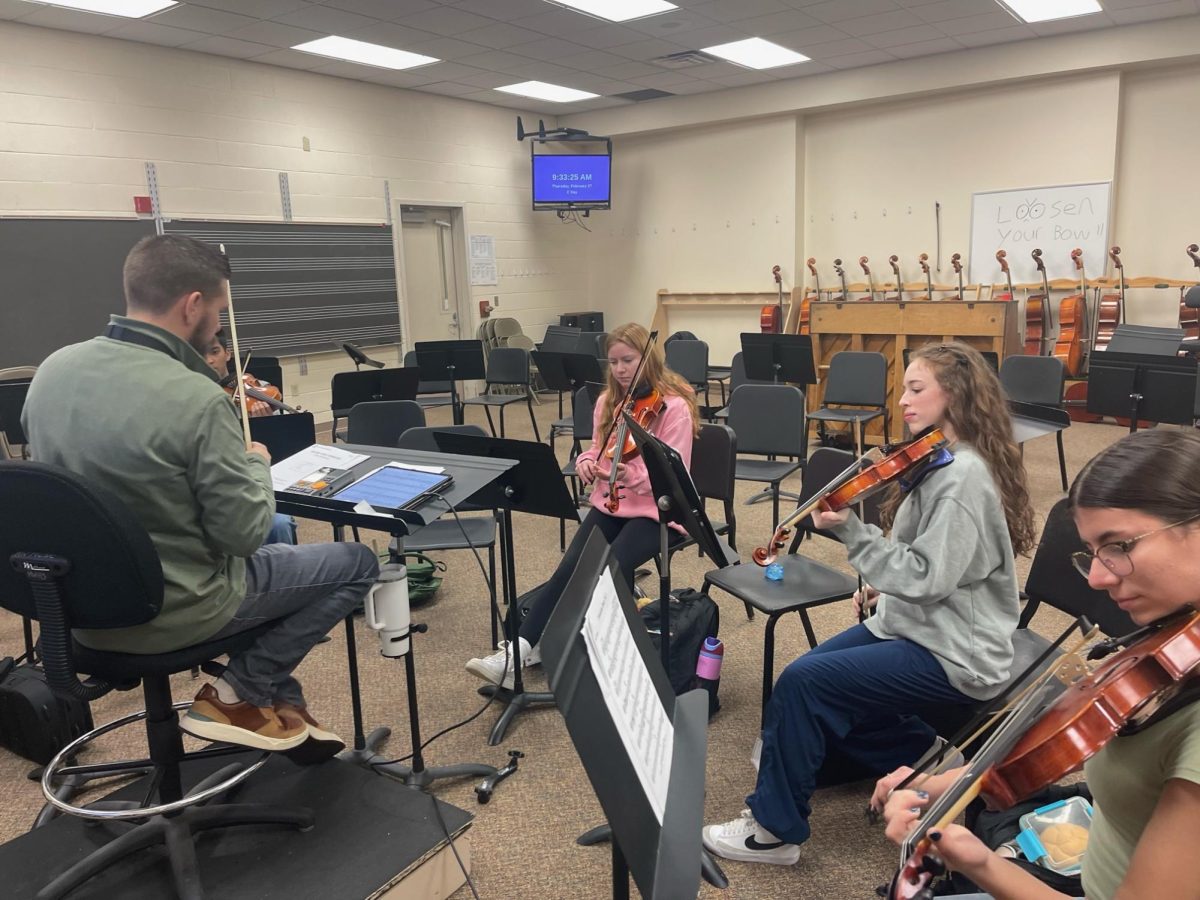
{"x":977,"y":410}
{"x":654,"y":373}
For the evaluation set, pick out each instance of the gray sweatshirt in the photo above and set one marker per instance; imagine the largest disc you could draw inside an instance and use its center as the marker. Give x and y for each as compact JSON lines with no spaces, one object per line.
{"x":946,"y":574}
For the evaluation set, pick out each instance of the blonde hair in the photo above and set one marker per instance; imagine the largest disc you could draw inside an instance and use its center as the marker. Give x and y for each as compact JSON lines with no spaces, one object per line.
{"x":977,"y":410}
{"x":654,"y":373}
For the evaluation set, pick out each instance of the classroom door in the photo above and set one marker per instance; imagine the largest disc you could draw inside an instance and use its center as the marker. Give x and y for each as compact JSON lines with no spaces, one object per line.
{"x":430,"y":274}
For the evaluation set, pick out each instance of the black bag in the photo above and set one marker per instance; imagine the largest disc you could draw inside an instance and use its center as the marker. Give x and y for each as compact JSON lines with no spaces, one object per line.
{"x":35,"y":722}
{"x":694,"y":617}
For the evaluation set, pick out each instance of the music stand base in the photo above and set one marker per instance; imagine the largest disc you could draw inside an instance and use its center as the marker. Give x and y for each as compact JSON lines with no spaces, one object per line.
{"x":767,"y":494}
{"x":709,"y":868}
{"x":515,"y":703}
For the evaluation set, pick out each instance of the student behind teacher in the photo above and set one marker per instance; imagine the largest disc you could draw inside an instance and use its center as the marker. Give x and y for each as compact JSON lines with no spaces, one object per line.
{"x":138,"y":411}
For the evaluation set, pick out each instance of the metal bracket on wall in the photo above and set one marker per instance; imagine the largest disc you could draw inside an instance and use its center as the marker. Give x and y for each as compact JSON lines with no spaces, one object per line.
{"x":152,"y":187}
{"x":285,"y":196}
{"x":387,"y":201}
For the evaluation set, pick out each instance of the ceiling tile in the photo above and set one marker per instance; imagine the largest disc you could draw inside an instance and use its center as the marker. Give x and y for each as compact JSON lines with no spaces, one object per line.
{"x":630,"y":70}
{"x":544,"y":71}
{"x":833,"y":11}
{"x":560,"y":22}
{"x":668,"y":23}
{"x":857,"y":60}
{"x":383,"y":9}
{"x":1149,"y":13}
{"x":650,"y":49}
{"x":150,"y":33}
{"x":445,"y":48}
{"x":743,"y":78}
{"x":593,"y":60}
{"x":486,"y":80}
{"x":326,"y":20}
{"x":503,"y":10}
{"x":809,"y":37}
{"x":696,"y":86}
{"x":259,"y":9}
{"x":762,"y":26}
{"x":837,"y":48}
{"x":71,"y":20}
{"x":605,"y":37}
{"x":495,"y":60}
{"x":941,"y":10}
{"x":969,"y":24}
{"x":392,"y":35}
{"x":892,"y":21}
{"x":499,"y":35}
{"x":292,"y":59}
{"x":925,"y":48}
{"x":224,"y":46}
{"x":450,"y":89}
{"x":548,"y":49}
{"x":444,"y":71}
{"x":915,"y":35}
{"x":723,"y":11}
{"x":996,"y":36}
{"x":198,"y":18}
{"x":665,"y":80}
{"x":275,"y":34}
{"x":710,"y":37}
{"x":1066,"y":26}
{"x":445,"y":20}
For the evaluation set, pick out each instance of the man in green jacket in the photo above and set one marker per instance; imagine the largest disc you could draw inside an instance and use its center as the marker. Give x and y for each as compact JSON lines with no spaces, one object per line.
{"x":138,"y":411}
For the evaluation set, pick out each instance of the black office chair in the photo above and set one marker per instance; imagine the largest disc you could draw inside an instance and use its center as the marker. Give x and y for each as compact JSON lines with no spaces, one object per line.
{"x":430,"y":394}
{"x":100,"y":573}
{"x":769,"y":421}
{"x":714,"y":466}
{"x":689,"y":360}
{"x":382,"y":422}
{"x":1037,"y":379}
{"x":507,"y":366}
{"x":737,"y":377}
{"x":855,"y":379}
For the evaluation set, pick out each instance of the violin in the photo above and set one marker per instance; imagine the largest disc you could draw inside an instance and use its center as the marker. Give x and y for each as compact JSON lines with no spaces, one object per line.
{"x":853,"y":486}
{"x":770,"y":317}
{"x":1002,"y":258}
{"x":267,"y":398}
{"x":1036,"y":322}
{"x":619,"y":445}
{"x":895,"y":261}
{"x":1189,"y":319}
{"x":923,"y":259}
{"x":1128,"y":692}
{"x":1072,"y":319}
{"x":956,"y":261}
{"x":807,"y":300}
{"x":862,"y":261}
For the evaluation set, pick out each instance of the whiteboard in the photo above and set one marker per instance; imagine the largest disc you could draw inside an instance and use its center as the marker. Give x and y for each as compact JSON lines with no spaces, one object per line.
{"x":1054,"y":219}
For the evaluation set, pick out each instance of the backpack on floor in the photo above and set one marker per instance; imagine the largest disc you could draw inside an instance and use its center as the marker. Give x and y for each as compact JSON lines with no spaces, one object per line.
{"x":424,"y":576}
{"x":694,"y":617}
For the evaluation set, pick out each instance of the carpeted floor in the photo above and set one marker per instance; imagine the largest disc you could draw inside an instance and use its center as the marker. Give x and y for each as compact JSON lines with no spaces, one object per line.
{"x":523,"y":841}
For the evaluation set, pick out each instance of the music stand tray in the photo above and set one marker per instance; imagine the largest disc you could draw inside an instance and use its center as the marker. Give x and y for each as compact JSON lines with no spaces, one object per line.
{"x":663,"y":857}
{"x":1147,"y":340}
{"x":779,"y":358}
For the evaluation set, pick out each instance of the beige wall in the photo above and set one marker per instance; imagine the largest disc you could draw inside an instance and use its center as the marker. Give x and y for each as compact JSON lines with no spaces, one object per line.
{"x":80,"y":115}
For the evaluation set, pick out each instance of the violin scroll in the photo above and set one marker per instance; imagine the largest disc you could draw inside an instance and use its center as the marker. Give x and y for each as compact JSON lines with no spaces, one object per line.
{"x":1002,"y":258}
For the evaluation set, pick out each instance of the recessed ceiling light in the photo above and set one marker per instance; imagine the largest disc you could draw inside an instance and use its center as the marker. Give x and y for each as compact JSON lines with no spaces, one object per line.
{"x":130,"y":9}
{"x":618,"y":10}
{"x":756,"y":53}
{"x":540,"y":90}
{"x":362,"y":52}
{"x":1045,"y":10}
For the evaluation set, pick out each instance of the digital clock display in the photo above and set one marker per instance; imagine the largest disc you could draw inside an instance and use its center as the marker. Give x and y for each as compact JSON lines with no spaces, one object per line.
{"x":571,"y":178}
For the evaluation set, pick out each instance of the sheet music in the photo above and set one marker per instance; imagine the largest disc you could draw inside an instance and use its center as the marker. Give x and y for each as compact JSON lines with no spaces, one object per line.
{"x":292,"y":469}
{"x":634,"y":704}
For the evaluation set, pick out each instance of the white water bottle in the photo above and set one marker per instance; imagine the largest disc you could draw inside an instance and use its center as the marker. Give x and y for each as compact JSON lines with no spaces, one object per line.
{"x":386,"y":610}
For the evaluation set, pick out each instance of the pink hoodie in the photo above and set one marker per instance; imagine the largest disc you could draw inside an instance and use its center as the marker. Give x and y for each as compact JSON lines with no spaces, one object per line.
{"x":673,"y":427}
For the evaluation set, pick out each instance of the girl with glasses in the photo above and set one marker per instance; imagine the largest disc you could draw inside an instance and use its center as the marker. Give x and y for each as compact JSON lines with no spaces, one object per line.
{"x":945,"y":589}
{"x":1137,"y":508}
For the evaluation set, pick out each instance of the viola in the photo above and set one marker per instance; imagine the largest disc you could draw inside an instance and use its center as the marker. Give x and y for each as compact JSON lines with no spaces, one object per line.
{"x":1110,"y":311}
{"x":956,"y":261}
{"x":770,"y":317}
{"x":841,"y":274}
{"x":895,"y":261}
{"x":1037,"y":322}
{"x":1072,"y":319}
{"x":1127,"y":692}
{"x":853,"y":486}
{"x":1189,"y":319}
{"x":862,"y":261}
{"x":809,"y":295}
{"x":923,"y":259}
{"x":1002,"y":258}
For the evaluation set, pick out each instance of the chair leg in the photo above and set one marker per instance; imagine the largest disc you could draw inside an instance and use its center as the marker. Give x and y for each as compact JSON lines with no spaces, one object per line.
{"x":491,"y":425}
{"x":808,"y":629}
{"x":1062,"y":460}
{"x":502,"y":434}
{"x":532,"y":418}
{"x":775,"y":487}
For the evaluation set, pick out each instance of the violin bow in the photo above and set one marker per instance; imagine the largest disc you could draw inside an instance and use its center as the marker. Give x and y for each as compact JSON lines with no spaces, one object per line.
{"x":240,"y":383}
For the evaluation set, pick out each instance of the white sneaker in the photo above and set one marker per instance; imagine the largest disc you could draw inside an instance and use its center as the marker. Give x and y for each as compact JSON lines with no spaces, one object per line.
{"x":497,"y":668}
{"x":745,"y":840}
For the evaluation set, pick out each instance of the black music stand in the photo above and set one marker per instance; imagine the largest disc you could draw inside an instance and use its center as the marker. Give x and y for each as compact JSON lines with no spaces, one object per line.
{"x":285,"y":435}
{"x":1142,"y":386}
{"x":663,"y":856}
{"x":553,"y":373}
{"x":534,"y":486}
{"x":452,"y":361}
{"x":560,"y":339}
{"x":348,"y":389}
{"x":779,"y":358}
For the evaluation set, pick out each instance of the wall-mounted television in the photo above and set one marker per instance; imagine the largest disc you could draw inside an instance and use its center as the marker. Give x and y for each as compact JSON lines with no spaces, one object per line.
{"x":572,"y":180}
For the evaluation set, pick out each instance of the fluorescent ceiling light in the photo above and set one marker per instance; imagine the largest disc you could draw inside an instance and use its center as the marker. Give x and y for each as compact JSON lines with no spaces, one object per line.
{"x":362,"y":52}
{"x":1045,"y":10}
{"x":618,"y":10}
{"x":756,"y":53}
{"x":540,"y":90}
{"x":130,"y":9}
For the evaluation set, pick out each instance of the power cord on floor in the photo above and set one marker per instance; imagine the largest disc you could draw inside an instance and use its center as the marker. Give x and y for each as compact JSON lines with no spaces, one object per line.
{"x":437,"y":811}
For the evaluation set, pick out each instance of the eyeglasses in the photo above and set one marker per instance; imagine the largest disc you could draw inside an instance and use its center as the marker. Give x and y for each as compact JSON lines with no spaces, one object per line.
{"x":1115,"y":556}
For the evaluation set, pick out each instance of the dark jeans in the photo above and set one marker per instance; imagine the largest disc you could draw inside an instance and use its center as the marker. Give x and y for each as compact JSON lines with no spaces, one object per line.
{"x":850,"y":696}
{"x":309,"y":588}
{"x":633,"y":541}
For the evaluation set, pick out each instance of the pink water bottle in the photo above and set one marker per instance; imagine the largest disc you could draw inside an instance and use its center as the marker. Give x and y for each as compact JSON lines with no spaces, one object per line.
{"x":708,"y":671}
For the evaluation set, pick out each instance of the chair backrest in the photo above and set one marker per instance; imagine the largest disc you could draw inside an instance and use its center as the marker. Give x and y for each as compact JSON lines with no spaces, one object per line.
{"x":1033,"y":379}
{"x":520,"y":341}
{"x":737,"y":373}
{"x":769,"y":418}
{"x":426,"y":387}
{"x":857,"y":378}
{"x":114,"y":579}
{"x":824,"y":465}
{"x":583,"y":410}
{"x":503,"y":329}
{"x":714,"y":461}
{"x":689,"y":360}
{"x":423,"y":439}
{"x":508,"y":365}
{"x":380,"y":423}
{"x":1053,"y":580}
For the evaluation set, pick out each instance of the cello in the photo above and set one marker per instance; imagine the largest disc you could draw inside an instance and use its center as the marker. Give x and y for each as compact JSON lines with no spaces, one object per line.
{"x":862,"y":261}
{"x":1072,"y":322}
{"x":1189,"y":319}
{"x":807,"y":300}
{"x":770,"y":317}
{"x":1110,"y":311}
{"x":956,"y":261}
{"x":1002,"y":258}
{"x":895,"y":261}
{"x":841,"y":274}
{"x":1037,"y":323}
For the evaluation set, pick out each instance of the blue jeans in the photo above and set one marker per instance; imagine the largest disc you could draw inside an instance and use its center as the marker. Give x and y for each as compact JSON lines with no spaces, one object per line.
{"x":283,"y":530}
{"x":852,"y":696}
{"x":309,"y":589}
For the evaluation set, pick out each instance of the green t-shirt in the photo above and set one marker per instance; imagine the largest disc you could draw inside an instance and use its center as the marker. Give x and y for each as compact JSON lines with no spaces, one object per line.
{"x":1126,"y":779}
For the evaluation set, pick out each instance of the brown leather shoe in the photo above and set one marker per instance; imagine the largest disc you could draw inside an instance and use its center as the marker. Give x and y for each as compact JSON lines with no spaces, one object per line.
{"x":241,"y":723}
{"x":321,"y":744}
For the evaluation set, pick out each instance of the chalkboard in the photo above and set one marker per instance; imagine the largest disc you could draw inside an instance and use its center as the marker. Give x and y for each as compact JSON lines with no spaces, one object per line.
{"x":301,"y":288}
{"x":61,"y":281}
{"x":1054,"y":219}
